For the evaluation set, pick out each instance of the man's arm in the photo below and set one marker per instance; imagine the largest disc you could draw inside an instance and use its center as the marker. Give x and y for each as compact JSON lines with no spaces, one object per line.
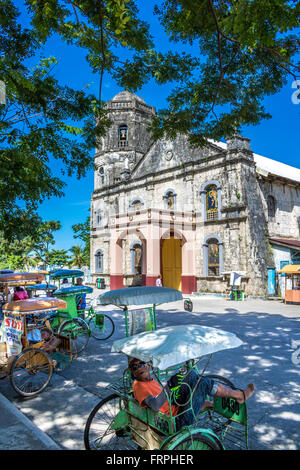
{"x":155,"y":403}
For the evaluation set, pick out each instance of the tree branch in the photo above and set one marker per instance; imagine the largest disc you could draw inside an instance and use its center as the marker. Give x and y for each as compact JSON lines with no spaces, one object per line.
{"x":273,"y":51}
{"x":102,"y":49}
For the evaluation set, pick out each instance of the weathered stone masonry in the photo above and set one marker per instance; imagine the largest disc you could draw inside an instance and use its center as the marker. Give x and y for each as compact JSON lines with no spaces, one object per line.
{"x":146,"y":192}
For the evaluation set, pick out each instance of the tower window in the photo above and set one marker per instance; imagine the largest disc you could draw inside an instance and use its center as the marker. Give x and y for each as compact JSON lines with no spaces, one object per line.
{"x":98,"y":217}
{"x":101,"y":174}
{"x":123,"y":136}
{"x":99,"y":261}
{"x":271,"y":203}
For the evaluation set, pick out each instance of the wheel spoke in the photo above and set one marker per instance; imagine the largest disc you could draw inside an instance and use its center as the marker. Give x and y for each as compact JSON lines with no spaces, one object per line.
{"x":101,"y":326}
{"x":31,"y":372}
{"x":78,"y":331}
{"x":99,"y":435}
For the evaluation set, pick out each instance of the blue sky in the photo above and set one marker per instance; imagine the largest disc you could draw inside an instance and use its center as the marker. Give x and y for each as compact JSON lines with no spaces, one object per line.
{"x":276,"y":138}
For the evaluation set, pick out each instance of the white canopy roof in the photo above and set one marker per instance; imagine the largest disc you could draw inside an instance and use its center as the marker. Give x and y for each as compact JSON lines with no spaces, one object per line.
{"x":173,"y":345}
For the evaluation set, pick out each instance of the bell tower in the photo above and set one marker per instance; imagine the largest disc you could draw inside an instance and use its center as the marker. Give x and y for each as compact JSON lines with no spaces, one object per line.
{"x":126,"y":141}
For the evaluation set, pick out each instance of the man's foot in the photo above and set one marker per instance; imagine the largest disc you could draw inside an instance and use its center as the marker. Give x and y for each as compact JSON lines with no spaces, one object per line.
{"x":246,"y":393}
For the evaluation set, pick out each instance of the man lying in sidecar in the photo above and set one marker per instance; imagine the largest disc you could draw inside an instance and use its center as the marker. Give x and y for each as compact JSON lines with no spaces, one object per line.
{"x":180,"y":387}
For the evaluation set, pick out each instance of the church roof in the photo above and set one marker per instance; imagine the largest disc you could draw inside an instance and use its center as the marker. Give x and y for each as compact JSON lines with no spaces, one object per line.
{"x":288,"y":242}
{"x":270,"y":166}
{"x":127,"y":96}
{"x":273,"y":167}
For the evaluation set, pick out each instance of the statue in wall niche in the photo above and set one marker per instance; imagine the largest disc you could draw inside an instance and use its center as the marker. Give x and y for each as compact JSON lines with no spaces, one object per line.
{"x":169,"y":155}
{"x":212,"y":198}
{"x":101,"y":175}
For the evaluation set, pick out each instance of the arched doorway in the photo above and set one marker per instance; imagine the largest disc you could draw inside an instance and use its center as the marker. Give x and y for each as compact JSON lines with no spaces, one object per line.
{"x":171,"y":262}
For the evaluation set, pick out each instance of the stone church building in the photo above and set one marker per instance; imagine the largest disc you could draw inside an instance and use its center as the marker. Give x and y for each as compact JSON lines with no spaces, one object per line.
{"x":191,"y":215}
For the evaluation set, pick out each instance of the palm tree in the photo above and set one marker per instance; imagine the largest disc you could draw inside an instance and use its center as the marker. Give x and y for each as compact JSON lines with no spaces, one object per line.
{"x":30,"y":261}
{"x":79,"y":257}
{"x":58,"y":257}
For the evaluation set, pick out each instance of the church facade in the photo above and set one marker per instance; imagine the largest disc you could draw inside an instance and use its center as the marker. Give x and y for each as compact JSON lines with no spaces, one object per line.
{"x":191,"y":215}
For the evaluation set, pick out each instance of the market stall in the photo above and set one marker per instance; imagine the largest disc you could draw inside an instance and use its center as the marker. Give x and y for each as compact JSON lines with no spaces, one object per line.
{"x":292,"y":283}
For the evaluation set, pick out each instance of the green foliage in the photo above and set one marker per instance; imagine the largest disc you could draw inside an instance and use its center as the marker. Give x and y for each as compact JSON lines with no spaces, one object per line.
{"x":40,"y":245}
{"x":243,"y":50}
{"x":246,"y":49}
{"x":58,"y":257}
{"x":82,"y":232}
{"x":17,"y":255}
{"x":79,"y":257}
{"x":99,"y":26}
{"x":36,"y":124}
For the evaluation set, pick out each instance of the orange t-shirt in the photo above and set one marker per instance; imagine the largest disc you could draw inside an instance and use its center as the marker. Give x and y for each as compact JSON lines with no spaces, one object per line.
{"x":142,"y":390}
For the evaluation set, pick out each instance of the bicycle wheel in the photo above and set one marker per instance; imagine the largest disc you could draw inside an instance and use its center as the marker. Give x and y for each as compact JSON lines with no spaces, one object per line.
{"x":101,"y":326}
{"x":31,"y":372}
{"x":196,"y":441}
{"x":78,"y":331}
{"x":98,"y":434}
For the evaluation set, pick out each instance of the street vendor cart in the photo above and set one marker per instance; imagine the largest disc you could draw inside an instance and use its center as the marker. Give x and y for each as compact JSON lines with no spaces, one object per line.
{"x":22,"y":358}
{"x":292,"y":283}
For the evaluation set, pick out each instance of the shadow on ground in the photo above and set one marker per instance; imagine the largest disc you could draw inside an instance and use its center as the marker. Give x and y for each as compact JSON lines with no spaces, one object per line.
{"x":268,"y":358}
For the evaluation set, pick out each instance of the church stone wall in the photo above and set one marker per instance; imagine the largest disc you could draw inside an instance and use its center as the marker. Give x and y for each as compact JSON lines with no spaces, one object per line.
{"x":243,"y":225}
{"x":286,"y":221}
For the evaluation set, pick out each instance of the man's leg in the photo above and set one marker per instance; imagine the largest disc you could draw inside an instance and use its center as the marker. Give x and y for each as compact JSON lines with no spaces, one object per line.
{"x":239,"y":395}
{"x":192,"y":394}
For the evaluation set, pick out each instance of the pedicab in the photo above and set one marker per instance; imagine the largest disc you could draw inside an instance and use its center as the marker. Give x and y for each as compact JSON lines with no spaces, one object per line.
{"x":41,"y":290}
{"x":118,"y":422}
{"x":58,"y":275}
{"x":22,"y":358}
{"x":12,"y":279}
{"x":72,"y":321}
{"x":144,"y":318}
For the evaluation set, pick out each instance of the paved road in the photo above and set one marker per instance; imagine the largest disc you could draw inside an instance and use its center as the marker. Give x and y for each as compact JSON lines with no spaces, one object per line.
{"x":269,"y":358}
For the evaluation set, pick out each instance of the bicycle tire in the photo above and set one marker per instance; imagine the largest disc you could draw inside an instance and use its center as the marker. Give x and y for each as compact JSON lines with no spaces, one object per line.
{"x":197,"y":441}
{"x":104,"y":332}
{"x":97,"y":432}
{"x":78,"y":330}
{"x":31,"y":367}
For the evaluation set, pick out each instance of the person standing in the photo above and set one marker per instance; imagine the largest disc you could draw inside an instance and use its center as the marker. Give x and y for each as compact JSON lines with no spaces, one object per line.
{"x":159,"y":281}
{"x":65,"y":283}
{"x":20,"y":293}
{"x":80,"y":298}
